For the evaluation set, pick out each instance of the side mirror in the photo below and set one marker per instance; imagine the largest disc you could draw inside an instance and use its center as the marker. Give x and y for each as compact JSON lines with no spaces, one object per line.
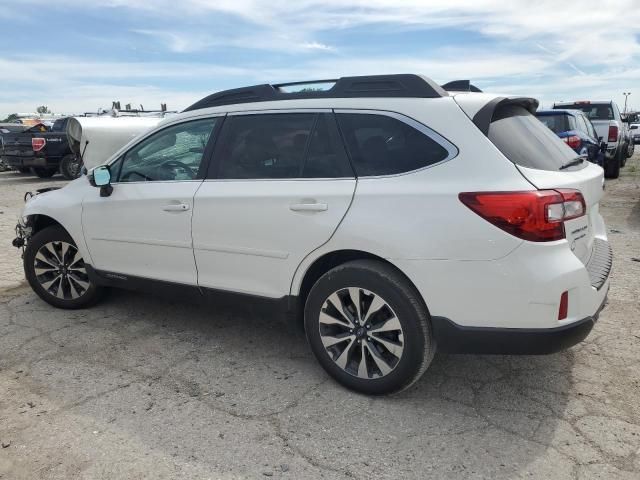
{"x":101,"y":177}
{"x":603,"y":146}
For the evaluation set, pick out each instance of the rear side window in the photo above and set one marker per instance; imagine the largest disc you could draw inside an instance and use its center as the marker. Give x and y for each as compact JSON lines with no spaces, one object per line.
{"x":526,"y":141}
{"x":281,"y":145}
{"x":382,"y":145}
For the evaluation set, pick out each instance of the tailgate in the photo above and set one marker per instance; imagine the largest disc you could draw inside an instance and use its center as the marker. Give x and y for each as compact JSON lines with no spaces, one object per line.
{"x":589,"y":181}
{"x":18,"y":144}
{"x":602,"y":128}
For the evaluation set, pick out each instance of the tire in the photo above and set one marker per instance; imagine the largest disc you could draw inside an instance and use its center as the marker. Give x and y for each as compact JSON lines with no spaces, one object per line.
{"x":42,"y":172}
{"x":70,"y":167}
{"x":42,"y":268}
{"x":612,"y":166}
{"x":24,"y":170}
{"x":403,"y":315}
{"x":630,"y":151}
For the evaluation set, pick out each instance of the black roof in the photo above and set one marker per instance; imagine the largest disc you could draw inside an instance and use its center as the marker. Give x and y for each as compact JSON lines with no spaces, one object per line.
{"x":402,"y":85}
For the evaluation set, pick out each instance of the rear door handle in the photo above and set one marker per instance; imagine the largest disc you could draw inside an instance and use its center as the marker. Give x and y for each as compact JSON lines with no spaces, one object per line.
{"x":176,"y":207}
{"x":309,"y":207}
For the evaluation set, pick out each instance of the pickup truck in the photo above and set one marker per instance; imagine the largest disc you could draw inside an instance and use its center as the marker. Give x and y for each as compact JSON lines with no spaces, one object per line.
{"x":44,"y":151}
{"x":605,"y":117}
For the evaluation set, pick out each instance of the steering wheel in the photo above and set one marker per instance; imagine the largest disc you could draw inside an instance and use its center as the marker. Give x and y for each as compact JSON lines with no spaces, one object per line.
{"x":173,"y":164}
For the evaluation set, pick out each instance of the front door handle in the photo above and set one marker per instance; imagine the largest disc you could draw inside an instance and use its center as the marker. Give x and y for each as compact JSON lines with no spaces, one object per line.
{"x":309,"y":207}
{"x":176,"y":207}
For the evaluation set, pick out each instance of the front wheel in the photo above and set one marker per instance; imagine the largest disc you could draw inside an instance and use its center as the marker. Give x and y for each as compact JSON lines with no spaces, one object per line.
{"x":369,"y":328}
{"x":56,"y":271}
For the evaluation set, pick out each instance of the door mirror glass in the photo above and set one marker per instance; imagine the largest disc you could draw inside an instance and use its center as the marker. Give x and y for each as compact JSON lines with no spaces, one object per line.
{"x":101,"y":176}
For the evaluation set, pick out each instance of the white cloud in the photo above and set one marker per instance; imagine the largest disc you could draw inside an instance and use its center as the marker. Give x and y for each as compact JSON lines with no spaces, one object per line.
{"x":550,"y":49}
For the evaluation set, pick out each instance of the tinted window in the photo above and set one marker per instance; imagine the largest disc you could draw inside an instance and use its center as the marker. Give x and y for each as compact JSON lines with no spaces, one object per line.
{"x":382,"y":145}
{"x":527,"y":142}
{"x":590,"y":129}
{"x":281,"y":145}
{"x":594,"y":112}
{"x":174,"y":153}
{"x":582,"y":125}
{"x":326,"y":157}
{"x":59,"y":125}
{"x":557,"y":123}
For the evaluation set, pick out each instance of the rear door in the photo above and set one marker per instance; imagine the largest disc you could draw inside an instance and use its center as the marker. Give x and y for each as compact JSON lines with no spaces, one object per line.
{"x":278,"y":187}
{"x":542,"y":157}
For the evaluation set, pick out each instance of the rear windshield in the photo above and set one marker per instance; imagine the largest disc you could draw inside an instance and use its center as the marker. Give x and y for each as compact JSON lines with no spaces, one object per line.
{"x":524,"y":140}
{"x":557,"y":123}
{"x":594,"y":112}
{"x":59,"y":125}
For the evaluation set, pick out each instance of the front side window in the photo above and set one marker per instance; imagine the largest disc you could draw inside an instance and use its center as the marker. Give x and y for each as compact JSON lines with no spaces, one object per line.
{"x":174,"y":153}
{"x":281,"y":146}
{"x":383,"y":145}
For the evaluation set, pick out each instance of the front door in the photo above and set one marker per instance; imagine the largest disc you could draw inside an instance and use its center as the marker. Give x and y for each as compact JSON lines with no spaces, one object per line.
{"x":143,"y":228}
{"x":279,"y":185}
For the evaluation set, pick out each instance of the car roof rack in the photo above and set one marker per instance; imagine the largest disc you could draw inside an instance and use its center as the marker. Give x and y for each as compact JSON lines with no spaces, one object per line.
{"x":460,"y":86}
{"x":397,"y":86}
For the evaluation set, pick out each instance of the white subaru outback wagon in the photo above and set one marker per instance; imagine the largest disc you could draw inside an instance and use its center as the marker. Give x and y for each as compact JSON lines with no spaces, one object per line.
{"x":394,"y":215}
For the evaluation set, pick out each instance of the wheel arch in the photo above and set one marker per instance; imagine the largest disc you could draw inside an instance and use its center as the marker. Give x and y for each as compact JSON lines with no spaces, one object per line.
{"x":325,"y":262}
{"x":39,"y":221}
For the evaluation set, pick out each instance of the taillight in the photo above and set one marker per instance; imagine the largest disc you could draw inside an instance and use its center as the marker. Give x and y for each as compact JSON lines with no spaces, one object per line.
{"x":573,"y":141}
{"x":613,"y":133}
{"x":536,"y":215}
{"x":563,"y":310}
{"x":38,"y":144}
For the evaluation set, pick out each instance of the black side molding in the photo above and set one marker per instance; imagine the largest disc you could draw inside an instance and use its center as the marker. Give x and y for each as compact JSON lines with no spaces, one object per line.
{"x":181,"y":292}
{"x":402,"y":85}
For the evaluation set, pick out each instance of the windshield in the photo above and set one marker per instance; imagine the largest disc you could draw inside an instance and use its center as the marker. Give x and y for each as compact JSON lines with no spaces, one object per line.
{"x":526,"y":141}
{"x":594,"y":112}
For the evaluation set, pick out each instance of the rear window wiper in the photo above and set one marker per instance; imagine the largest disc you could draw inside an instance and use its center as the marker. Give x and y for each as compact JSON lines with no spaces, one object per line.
{"x":575,"y":161}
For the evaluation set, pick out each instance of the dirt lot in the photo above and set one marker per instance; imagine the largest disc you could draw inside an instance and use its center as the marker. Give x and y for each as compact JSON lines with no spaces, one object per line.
{"x":142,"y":387}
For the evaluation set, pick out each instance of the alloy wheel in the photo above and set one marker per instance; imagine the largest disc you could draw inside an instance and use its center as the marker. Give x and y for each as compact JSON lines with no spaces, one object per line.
{"x":60,"y":270}
{"x":361,"y":333}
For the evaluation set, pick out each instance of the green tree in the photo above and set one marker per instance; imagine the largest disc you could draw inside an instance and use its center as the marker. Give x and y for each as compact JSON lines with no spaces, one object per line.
{"x":10,"y":119}
{"x":42,"y":109}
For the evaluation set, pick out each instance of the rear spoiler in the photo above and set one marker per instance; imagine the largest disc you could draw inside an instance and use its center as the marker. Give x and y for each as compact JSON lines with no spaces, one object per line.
{"x":484,"y":116}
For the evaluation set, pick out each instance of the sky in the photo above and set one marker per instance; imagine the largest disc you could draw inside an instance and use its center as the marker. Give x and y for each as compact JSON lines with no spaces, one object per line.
{"x":78,"y":55}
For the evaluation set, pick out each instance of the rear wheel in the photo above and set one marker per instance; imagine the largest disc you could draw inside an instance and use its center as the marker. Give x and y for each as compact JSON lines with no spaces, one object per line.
{"x":630,"y":150}
{"x":56,"y":271}
{"x":70,"y":167}
{"x":612,"y":165}
{"x":42,"y":172}
{"x":368,"y":327}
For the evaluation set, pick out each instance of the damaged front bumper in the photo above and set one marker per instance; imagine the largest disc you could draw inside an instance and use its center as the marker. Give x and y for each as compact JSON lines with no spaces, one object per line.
{"x":24,"y":228}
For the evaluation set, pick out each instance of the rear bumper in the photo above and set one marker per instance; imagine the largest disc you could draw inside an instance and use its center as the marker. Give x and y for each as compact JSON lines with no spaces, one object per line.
{"x":31,"y":161}
{"x":453,"y":338}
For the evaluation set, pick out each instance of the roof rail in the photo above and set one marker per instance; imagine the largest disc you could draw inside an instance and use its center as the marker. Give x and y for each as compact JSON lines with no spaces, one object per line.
{"x":402,"y":85}
{"x":460,"y":86}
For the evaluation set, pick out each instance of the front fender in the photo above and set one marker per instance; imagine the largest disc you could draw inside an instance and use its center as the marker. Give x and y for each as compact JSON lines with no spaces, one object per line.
{"x":63,"y":206}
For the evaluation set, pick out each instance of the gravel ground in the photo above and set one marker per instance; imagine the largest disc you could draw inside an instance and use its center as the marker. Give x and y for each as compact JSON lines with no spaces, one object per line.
{"x":142,"y":387}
